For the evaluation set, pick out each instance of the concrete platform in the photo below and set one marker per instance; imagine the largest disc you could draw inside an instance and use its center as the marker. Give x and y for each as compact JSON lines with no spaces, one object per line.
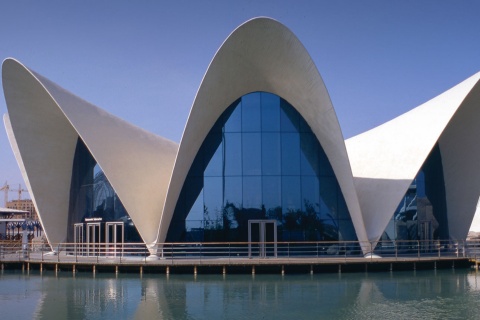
{"x":270,"y":265}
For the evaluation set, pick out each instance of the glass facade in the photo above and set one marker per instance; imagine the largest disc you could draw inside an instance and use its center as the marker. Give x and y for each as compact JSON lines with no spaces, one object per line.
{"x":422,"y":212}
{"x":92,"y":198}
{"x":261,"y":160}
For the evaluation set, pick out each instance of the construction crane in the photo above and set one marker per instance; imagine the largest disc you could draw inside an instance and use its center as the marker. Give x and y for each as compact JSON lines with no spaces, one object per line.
{"x":6,"y":189}
{"x":19,"y":190}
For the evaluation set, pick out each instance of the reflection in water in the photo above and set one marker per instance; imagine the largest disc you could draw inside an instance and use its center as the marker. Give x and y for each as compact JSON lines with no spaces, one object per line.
{"x":452,"y":294}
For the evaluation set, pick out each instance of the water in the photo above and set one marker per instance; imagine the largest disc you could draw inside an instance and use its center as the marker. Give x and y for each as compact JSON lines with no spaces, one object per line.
{"x":431,"y":294}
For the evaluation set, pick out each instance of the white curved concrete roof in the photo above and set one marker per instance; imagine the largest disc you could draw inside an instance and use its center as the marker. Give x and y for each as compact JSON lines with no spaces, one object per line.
{"x":387,"y":158}
{"x":263,"y":55}
{"x":46,"y":121}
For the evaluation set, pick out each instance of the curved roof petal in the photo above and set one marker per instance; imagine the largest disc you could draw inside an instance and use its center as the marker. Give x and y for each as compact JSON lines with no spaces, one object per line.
{"x":46,"y":122}
{"x":387,"y":158}
{"x":263,"y":55}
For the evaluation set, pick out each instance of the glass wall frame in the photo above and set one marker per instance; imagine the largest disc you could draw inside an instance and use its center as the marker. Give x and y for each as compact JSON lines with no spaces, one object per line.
{"x":261,"y":161}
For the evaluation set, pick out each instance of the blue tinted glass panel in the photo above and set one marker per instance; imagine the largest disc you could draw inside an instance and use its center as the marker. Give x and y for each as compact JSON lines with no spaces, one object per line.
{"x":196,"y":212}
{"x":270,"y":112}
{"x":324,"y":165}
{"x":310,"y":193}
{"x":234,"y":123}
{"x":271,"y":154}
{"x":214,"y":163}
{"x":289,"y":118}
{"x":232,"y":145}
{"x":309,"y":155}
{"x":342,"y":208}
{"x":328,"y":198}
{"x":252,"y":192}
{"x":251,"y":154}
{"x":261,"y":161}
{"x":420,"y":183}
{"x":233,"y":191}
{"x":251,"y":113}
{"x":272,"y":191}
{"x":389,"y":233}
{"x":290,"y":153}
{"x":213,"y":197}
{"x":346,"y":230}
{"x":198,"y":167}
{"x":291,"y":194}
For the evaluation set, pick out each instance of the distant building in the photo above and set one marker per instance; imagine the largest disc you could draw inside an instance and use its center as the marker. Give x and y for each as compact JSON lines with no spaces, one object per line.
{"x":24,"y":205}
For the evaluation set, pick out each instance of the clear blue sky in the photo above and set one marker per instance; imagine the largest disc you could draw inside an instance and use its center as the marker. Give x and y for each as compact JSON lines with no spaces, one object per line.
{"x":144,"y":60}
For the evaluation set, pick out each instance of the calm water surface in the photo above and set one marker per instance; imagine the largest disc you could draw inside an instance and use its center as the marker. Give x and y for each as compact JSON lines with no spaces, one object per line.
{"x":441,"y":294}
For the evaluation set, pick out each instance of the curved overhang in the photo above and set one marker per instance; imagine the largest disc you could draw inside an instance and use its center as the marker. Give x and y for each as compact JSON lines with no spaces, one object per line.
{"x":386,"y":159}
{"x":263,"y":55}
{"x":46,"y":121}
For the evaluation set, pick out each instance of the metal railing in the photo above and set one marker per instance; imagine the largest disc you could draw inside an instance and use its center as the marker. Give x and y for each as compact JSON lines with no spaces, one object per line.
{"x":131,"y":252}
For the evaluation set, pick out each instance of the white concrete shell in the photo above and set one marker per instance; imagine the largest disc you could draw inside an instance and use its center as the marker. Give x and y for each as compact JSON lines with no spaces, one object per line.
{"x":43,"y":126}
{"x":386,"y":159}
{"x":263,"y":55}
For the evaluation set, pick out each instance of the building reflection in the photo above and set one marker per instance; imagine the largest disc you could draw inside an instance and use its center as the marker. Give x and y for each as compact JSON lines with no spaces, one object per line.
{"x":243,"y":296}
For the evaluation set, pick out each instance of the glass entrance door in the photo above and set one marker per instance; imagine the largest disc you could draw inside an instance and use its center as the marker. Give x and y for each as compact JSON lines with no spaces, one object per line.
{"x":79,"y":238}
{"x":262,"y":236}
{"x":114,"y":232}
{"x":93,"y":239}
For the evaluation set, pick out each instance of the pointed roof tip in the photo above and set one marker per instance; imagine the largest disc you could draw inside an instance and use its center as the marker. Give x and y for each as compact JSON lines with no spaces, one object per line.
{"x":10,"y":60}
{"x":11,"y":63}
{"x":258,"y":19}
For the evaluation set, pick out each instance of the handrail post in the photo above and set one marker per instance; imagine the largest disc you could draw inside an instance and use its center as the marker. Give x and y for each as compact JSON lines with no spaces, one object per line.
{"x":418,"y":248}
{"x":395,"y":244}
